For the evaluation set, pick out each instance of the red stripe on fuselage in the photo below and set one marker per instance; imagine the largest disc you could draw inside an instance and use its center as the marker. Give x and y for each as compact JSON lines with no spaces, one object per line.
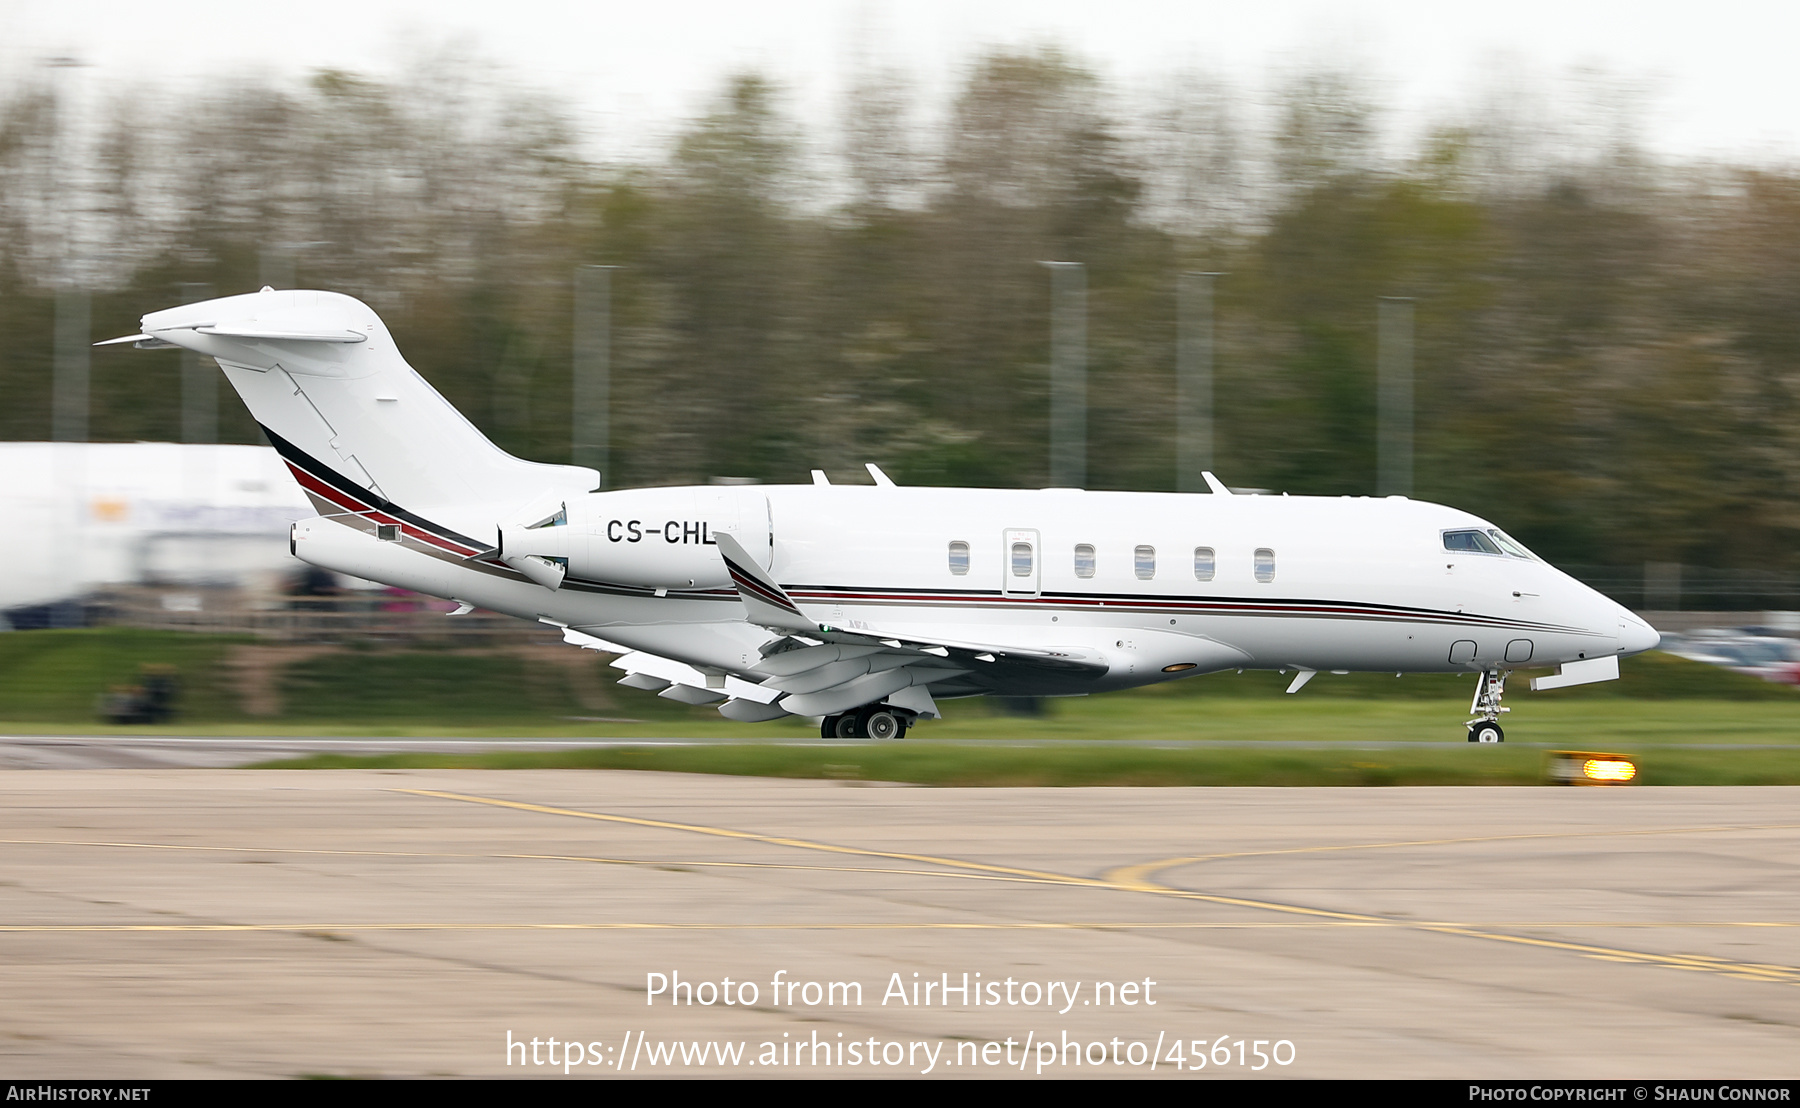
{"x":1198,"y":606}
{"x":351,"y":504}
{"x":756,"y":589}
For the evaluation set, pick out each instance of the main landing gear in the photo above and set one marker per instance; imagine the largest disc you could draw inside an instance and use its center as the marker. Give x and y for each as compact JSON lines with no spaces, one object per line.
{"x":1490,"y":685}
{"x":871,"y":721}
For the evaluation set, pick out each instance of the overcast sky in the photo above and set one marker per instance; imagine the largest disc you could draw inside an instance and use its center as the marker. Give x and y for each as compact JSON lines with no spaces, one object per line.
{"x":1721,"y":75}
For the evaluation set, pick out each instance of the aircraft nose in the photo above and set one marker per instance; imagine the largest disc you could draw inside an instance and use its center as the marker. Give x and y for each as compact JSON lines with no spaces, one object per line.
{"x":1636,"y":636}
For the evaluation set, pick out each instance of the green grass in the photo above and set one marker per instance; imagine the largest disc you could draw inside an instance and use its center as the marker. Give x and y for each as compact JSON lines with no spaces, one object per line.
{"x":1574,"y":724}
{"x":49,"y":681}
{"x":399,"y":687}
{"x":56,"y":676}
{"x":953,"y":764}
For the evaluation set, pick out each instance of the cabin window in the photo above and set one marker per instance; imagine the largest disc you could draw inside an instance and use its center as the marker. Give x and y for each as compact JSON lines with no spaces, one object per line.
{"x":1205,"y":563}
{"x":1021,"y":559}
{"x":1469,"y":542}
{"x":959,"y":558}
{"x":1084,"y":560}
{"x":1265,"y":564}
{"x":1143,"y":560}
{"x":387,"y":532}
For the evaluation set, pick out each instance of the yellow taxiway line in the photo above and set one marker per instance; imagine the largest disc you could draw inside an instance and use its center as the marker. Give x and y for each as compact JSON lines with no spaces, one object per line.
{"x":1739,"y":970}
{"x":1140,"y":874}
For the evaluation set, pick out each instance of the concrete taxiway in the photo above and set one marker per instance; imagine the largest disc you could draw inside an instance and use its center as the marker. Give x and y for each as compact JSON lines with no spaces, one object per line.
{"x":177,"y":923}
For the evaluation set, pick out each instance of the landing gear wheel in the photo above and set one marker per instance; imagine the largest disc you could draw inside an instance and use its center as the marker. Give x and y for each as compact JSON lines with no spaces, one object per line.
{"x":849,"y":726}
{"x":828,"y":727}
{"x":1487,"y":731}
{"x":1490,"y":685}
{"x":879,"y":723}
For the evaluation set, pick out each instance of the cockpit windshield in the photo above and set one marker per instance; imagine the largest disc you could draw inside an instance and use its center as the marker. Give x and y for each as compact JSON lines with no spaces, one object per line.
{"x":1469,"y":542}
{"x":1491,"y":541}
{"x":1511,"y":545}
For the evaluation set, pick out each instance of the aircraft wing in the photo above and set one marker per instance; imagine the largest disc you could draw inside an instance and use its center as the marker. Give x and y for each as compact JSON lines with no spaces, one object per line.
{"x":744,"y":700}
{"x":821,"y":669}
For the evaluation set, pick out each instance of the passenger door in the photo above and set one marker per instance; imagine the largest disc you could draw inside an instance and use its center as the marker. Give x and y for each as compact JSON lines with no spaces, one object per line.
{"x":1022,"y":567}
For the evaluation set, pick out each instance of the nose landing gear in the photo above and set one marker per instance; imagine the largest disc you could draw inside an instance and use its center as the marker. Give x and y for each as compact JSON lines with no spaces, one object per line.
{"x":1490,"y":685}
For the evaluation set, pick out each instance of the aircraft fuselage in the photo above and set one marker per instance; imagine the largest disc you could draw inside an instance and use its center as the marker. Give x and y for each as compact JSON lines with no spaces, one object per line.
{"x":1159,"y":585}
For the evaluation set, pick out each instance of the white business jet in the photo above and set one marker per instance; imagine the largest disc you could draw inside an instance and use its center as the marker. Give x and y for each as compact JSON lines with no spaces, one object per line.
{"x":866,"y":605}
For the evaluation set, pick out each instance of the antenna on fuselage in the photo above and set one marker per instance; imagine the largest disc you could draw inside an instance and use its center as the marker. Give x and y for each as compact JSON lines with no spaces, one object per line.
{"x":1213,"y":483}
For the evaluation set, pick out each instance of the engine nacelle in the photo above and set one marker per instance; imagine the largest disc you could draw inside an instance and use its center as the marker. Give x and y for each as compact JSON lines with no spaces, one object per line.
{"x":651,"y":538}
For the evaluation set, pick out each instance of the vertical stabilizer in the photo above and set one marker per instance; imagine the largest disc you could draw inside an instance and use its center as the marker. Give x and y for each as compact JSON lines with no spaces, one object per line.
{"x":355,"y":423}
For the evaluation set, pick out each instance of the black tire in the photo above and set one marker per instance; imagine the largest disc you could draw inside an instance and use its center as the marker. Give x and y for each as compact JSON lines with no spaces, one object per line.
{"x":849,"y":726}
{"x":879,"y":723}
{"x":828,"y":727}
{"x":1486,"y":731}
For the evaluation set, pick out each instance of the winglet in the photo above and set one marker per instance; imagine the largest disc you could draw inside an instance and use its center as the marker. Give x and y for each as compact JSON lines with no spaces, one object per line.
{"x":768,"y":605}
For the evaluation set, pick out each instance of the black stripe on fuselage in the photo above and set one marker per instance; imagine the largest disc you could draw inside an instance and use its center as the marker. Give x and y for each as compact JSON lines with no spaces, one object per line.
{"x":1302,"y":608}
{"x":327,"y":475}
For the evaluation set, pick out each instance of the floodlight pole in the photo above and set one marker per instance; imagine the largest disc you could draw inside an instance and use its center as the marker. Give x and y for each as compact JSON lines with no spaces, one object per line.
{"x":1068,"y":374}
{"x":1394,"y":417}
{"x":278,"y":263}
{"x":199,"y":382}
{"x":1194,"y":380}
{"x":276,"y":267}
{"x":69,"y":401}
{"x":590,"y":414}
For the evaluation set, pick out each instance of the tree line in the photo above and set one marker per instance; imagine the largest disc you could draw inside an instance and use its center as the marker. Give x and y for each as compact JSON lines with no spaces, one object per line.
{"x":1607,"y":344}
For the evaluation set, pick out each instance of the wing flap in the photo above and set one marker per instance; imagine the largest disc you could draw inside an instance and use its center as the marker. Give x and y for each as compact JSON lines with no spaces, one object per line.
{"x":686,"y":677}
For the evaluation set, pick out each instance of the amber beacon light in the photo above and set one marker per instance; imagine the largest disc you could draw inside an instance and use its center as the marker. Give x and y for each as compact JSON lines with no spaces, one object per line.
{"x":1587,"y":767}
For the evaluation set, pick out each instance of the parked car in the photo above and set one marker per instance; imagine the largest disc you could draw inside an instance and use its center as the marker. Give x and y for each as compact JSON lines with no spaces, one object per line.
{"x":1769,"y":657}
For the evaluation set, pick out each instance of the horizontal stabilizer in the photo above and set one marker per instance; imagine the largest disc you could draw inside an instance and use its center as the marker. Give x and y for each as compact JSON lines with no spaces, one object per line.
{"x":254,"y":333}
{"x":141,"y":342}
